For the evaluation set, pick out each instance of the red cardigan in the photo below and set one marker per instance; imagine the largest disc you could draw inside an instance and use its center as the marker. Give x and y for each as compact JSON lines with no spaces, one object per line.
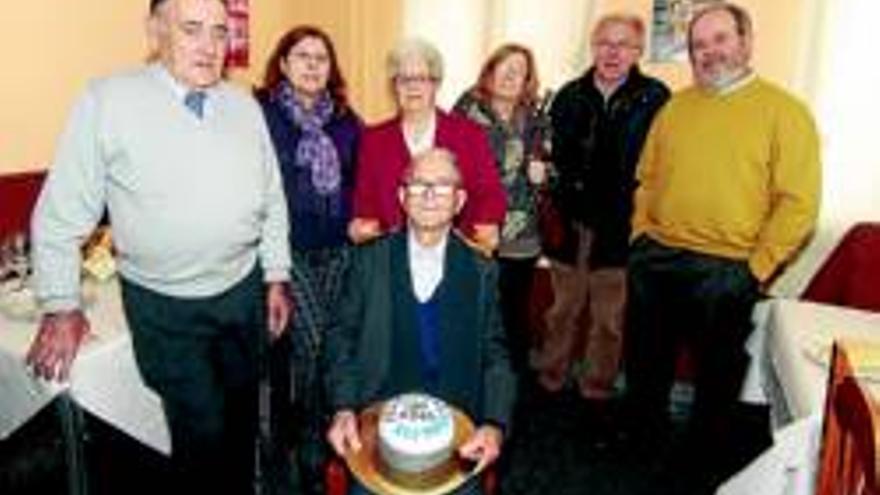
{"x":383,"y":156}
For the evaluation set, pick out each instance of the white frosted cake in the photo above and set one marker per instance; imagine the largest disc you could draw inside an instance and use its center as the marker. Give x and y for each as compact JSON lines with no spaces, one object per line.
{"x":416,"y":433}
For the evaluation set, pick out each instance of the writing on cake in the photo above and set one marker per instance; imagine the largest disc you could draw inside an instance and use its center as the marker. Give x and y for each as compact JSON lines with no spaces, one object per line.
{"x":416,"y":433}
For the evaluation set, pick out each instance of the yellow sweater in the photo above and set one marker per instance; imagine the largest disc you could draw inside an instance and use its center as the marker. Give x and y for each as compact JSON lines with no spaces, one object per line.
{"x":734,"y":175}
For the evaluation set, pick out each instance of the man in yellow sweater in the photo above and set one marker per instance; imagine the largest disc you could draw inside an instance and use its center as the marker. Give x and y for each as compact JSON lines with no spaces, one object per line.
{"x":728,"y":191}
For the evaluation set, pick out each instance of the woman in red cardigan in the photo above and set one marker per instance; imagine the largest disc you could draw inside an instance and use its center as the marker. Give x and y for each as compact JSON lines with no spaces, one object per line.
{"x":416,"y":70}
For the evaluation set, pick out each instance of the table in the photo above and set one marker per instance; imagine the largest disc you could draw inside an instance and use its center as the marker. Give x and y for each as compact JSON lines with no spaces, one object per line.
{"x":789,"y":372}
{"x":104,"y":381}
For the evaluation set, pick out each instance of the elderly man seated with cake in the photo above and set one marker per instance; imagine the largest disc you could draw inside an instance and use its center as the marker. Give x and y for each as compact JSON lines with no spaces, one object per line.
{"x":415,"y":352}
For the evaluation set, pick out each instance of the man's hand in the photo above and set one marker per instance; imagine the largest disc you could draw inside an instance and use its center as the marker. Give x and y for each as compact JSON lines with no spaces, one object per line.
{"x":483,"y":446}
{"x":56,"y":343}
{"x":343,"y":433}
{"x":279,"y":308}
{"x":361,"y":230}
{"x":487,"y":236}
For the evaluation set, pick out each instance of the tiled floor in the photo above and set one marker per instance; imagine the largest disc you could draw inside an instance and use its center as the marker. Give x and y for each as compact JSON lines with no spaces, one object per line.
{"x":566,"y":446}
{"x":562,"y":446}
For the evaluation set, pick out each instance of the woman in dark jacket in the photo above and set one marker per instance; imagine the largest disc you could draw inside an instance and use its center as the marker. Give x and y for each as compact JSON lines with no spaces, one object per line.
{"x":316,"y":134}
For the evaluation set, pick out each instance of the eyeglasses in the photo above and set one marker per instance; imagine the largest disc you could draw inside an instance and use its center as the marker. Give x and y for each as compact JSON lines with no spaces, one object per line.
{"x":615,"y":45}
{"x":413,"y":79}
{"x":318,"y":58}
{"x":423,"y":189}
{"x":193,"y":30}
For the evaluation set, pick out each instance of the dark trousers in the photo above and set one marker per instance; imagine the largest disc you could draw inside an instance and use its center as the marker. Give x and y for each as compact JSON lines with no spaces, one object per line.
{"x":201,"y":356}
{"x":680,"y":296}
{"x":515,"y":279}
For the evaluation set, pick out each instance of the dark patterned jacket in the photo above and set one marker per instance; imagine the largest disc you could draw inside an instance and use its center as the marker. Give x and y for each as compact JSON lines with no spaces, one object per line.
{"x":514,"y":144}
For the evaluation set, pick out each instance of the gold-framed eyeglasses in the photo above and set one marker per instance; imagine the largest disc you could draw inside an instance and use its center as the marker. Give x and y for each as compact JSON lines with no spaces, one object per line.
{"x":306,"y":57}
{"x":424,"y":189}
{"x":413,"y":79}
{"x":606,"y":45}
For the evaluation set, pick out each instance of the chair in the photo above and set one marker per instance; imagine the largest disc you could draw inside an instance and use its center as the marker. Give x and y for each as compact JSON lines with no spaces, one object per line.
{"x":19,"y":192}
{"x":848,"y":457}
{"x":849,"y":276}
{"x":336,"y":478}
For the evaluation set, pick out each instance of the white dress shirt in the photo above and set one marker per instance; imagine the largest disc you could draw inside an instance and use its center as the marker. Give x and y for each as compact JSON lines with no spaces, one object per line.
{"x":425,"y":266}
{"x":419,"y":143}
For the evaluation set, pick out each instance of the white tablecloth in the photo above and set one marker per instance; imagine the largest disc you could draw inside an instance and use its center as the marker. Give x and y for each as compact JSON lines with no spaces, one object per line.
{"x":104,"y":379}
{"x":790,"y":349}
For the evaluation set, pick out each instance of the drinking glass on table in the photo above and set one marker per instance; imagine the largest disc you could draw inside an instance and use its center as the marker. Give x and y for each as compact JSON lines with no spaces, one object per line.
{"x":16,"y":258}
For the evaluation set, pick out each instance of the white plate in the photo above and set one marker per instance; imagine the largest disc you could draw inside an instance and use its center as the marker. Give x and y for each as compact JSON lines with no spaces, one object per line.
{"x":820,"y":353}
{"x":19,"y":302}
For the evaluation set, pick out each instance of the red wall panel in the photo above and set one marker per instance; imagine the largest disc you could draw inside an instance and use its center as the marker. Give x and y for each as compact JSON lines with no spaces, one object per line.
{"x":18,"y":194}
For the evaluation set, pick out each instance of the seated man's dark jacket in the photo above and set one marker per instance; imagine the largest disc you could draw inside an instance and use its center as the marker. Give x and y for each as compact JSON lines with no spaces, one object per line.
{"x":475,"y":373}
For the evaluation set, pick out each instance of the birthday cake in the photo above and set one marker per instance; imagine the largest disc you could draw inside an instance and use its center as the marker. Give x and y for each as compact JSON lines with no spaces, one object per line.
{"x":416,"y":434}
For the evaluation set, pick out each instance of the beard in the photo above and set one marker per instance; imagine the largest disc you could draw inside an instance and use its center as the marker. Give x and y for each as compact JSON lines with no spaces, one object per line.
{"x":720,"y":73}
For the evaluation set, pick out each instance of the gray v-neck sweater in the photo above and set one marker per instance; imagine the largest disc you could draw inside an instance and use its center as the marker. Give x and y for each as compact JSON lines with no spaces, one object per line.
{"x":193,"y":203}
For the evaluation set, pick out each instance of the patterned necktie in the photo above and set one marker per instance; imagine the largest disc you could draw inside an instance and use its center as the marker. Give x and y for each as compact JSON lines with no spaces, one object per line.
{"x":195,"y":102}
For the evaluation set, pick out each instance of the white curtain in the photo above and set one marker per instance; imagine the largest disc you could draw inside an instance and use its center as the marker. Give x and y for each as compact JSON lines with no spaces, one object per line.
{"x":840,"y":74}
{"x":466,"y":31}
{"x":848,"y":110}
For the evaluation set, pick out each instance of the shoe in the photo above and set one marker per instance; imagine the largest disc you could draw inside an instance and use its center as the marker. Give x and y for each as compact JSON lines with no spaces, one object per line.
{"x":550,"y":381}
{"x":591,"y":392}
{"x":600,"y":423}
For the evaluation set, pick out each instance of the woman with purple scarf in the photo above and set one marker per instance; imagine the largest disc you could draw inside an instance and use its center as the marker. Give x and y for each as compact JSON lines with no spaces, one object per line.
{"x":316,"y":134}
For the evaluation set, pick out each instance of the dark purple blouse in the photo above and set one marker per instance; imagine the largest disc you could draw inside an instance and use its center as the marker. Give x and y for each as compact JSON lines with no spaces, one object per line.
{"x":310,"y":229}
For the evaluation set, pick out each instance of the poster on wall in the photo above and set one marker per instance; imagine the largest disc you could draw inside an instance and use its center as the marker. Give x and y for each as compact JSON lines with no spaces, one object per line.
{"x":669,"y":28}
{"x":238,"y":33}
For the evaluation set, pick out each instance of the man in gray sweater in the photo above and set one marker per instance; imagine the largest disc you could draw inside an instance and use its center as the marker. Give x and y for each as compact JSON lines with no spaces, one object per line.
{"x":184,"y":165}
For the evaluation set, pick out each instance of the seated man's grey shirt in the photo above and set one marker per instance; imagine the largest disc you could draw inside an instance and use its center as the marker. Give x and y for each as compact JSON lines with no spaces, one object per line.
{"x":193,"y":202}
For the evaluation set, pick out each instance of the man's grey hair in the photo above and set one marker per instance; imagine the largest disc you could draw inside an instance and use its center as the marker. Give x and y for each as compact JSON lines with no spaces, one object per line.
{"x":415,"y":47}
{"x":632,"y":20}
{"x":432,"y":154}
{"x":155,"y":4}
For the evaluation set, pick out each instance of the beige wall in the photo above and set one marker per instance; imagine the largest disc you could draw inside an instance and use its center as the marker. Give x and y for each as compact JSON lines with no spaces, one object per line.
{"x":780,"y":28}
{"x":363,"y":32}
{"x":50,"y":48}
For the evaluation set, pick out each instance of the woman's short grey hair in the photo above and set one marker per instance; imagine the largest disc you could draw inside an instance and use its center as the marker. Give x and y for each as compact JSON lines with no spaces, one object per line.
{"x":415,"y":47}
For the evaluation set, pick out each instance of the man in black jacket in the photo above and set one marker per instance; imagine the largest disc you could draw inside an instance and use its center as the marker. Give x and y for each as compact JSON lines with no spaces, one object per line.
{"x":600,"y":121}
